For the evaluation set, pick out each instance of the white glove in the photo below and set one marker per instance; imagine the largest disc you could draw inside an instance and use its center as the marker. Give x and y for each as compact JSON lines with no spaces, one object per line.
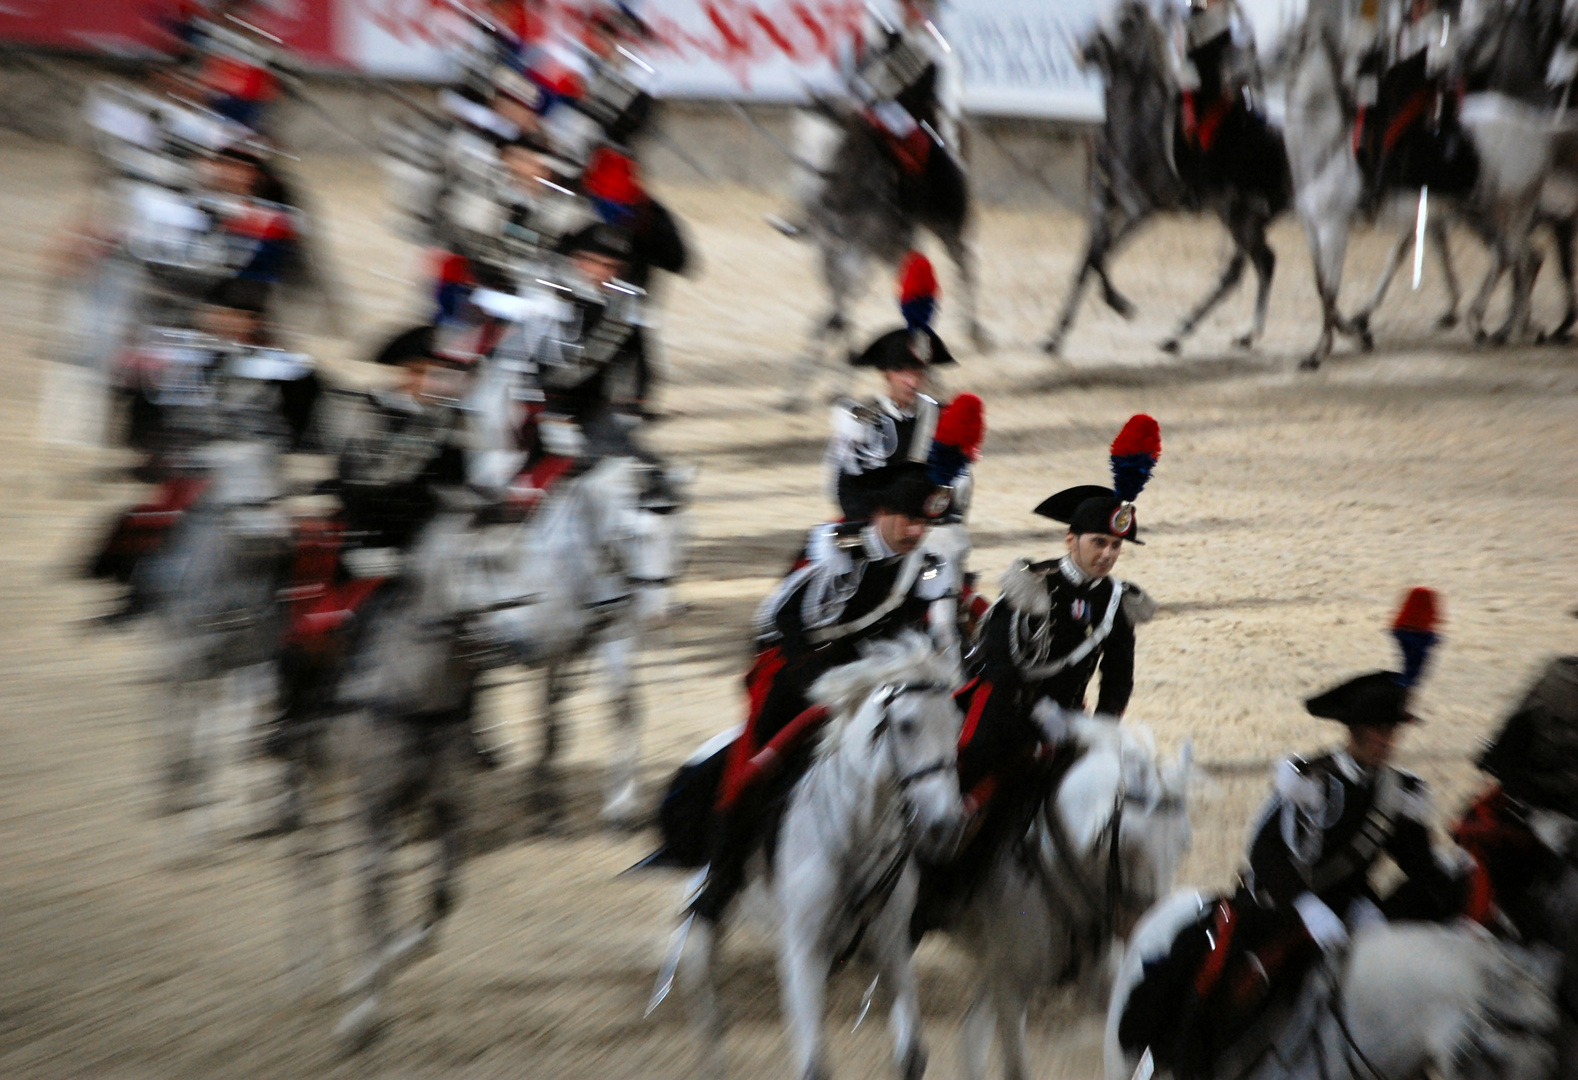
{"x":1363,"y":913}
{"x":1052,"y":719}
{"x":1324,"y":927}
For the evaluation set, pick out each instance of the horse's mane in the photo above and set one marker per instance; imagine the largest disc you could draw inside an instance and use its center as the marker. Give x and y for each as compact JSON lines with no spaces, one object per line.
{"x":908,"y":658}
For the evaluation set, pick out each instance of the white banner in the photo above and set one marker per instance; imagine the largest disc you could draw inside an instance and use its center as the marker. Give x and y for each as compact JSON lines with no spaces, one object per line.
{"x":1017,"y":57}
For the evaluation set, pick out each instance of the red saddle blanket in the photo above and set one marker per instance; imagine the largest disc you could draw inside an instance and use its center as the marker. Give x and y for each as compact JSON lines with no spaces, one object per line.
{"x":320,"y":599}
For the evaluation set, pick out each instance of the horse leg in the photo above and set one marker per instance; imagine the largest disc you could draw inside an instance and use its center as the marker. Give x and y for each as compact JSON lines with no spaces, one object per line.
{"x":976,"y":1034}
{"x":840,"y":268}
{"x":622,"y":792}
{"x":697,"y":977}
{"x":1525,"y":270}
{"x":1394,"y":260}
{"x":1109,"y":292}
{"x":889,"y":938}
{"x":309,"y":853}
{"x":1096,"y":248}
{"x":1231,"y":275}
{"x":1475,"y":317}
{"x":544,"y":798}
{"x":379,"y":774}
{"x":802,"y":971}
{"x":963,"y":256}
{"x":1563,"y":231}
{"x":1438,"y":240}
{"x":1265,"y":263}
{"x":1010,"y":1006}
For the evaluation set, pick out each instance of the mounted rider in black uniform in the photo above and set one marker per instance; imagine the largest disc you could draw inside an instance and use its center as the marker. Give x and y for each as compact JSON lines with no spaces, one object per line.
{"x":1329,"y":820}
{"x":857,"y":582}
{"x":1056,"y":623}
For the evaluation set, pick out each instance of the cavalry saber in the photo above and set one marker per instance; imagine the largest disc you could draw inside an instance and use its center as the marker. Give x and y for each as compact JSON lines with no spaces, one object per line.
{"x":666,"y":973}
{"x":1420,"y":225}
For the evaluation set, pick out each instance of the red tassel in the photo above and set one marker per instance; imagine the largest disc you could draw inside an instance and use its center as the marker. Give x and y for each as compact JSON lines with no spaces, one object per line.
{"x":611,"y":176}
{"x":962,"y":424}
{"x":916,"y":278}
{"x":1141,"y":435}
{"x":1421,"y":611}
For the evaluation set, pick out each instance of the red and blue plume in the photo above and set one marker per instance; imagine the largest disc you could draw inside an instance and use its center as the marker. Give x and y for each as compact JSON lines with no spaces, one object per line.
{"x":1134,"y":455}
{"x":1415,"y":631}
{"x":960,"y":428}
{"x":917,"y":290}
{"x":613,"y":184}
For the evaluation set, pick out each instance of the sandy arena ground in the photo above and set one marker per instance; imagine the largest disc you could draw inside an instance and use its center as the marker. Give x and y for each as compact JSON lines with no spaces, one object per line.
{"x":1289,"y":513}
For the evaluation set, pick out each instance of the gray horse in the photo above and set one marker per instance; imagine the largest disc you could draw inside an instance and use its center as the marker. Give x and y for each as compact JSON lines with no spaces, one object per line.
{"x":469,"y":600}
{"x":214,"y":596}
{"x":1133,"y":176}
{"x":868,"y":207}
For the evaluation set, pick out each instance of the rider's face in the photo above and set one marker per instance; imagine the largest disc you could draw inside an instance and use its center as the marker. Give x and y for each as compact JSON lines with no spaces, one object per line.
{"x":1372,"y":746}
{"x":230,"y":324}
{"x":526,"y":167}
{"x":900,"y":532}
{"x":1094,"y":553}
{"x":598,"y":269}
{"x":232,"y":176}
{"x":904,"y":384}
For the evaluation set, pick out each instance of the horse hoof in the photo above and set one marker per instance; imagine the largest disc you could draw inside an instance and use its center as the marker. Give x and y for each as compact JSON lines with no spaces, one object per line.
{"x":358,"y":1027}
{"x":1244,"y":341}
{"x":1310,"y":363}
{"x":1171,"y":346}
{"x":914,"y":1066}
{"x":1053,"y":346}
{"x":1447,"y":321}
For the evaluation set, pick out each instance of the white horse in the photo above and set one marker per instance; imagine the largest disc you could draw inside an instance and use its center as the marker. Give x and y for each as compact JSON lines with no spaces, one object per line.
{"x":469,"y":601}
{"x":1410,"y":1000}
{"x":217,"y":619}
{"x":883,"y":785}
{"x":1104,"y":847}
{"x":659,"y":536}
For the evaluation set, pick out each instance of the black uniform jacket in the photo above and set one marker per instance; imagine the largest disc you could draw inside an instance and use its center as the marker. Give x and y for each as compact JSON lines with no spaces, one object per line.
{"x":1048,"y":633}
{"x":1326,"y":825}
{"x":849,"y":588}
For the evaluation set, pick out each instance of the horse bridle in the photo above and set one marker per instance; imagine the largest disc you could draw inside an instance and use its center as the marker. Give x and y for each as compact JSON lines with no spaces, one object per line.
{"x":888,"y":695}
{"x":871,"y":900}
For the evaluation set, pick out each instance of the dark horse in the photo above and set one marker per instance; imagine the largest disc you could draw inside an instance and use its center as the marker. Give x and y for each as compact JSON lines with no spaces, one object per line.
{"x":1134,"y":173}
{"x":871,"y":201}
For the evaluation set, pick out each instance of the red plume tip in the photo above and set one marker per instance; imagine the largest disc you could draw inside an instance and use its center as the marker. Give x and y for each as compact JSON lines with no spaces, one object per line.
{"x":916,"y":278}
{"x":1421,"y":611}
{"x":1141,"y":435}
{"x":962,"y":424}
{"x":612,"y":176}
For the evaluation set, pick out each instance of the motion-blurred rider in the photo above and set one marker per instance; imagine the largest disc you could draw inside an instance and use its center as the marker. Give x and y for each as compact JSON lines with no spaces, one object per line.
{"x":1055,"y":625}
{"x":1306,"y":887}
{"x":858,"y":581}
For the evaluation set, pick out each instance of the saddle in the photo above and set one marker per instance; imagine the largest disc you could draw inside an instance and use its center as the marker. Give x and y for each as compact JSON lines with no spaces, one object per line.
{"x":1222,"y":974}
{"x":143,"y":530}
{"x":322,"y":598}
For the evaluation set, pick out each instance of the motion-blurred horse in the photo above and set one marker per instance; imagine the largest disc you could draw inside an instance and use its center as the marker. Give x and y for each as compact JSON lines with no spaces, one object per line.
{"x":868,"y":206}
{"x":1102,"y":848}
{"x":1409,"y":1000}
{"x":470,"y":600}
{"x":1134,"y":175}
{"x":883,"y":786}
{"x":213,"y":592}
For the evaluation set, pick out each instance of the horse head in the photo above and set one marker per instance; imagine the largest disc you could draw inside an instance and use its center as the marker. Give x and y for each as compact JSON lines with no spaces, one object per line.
{"x":244,"y":490}
{"x":659,"y":540}
{"x":1126,"y":815}
{"x":895,"y":725}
